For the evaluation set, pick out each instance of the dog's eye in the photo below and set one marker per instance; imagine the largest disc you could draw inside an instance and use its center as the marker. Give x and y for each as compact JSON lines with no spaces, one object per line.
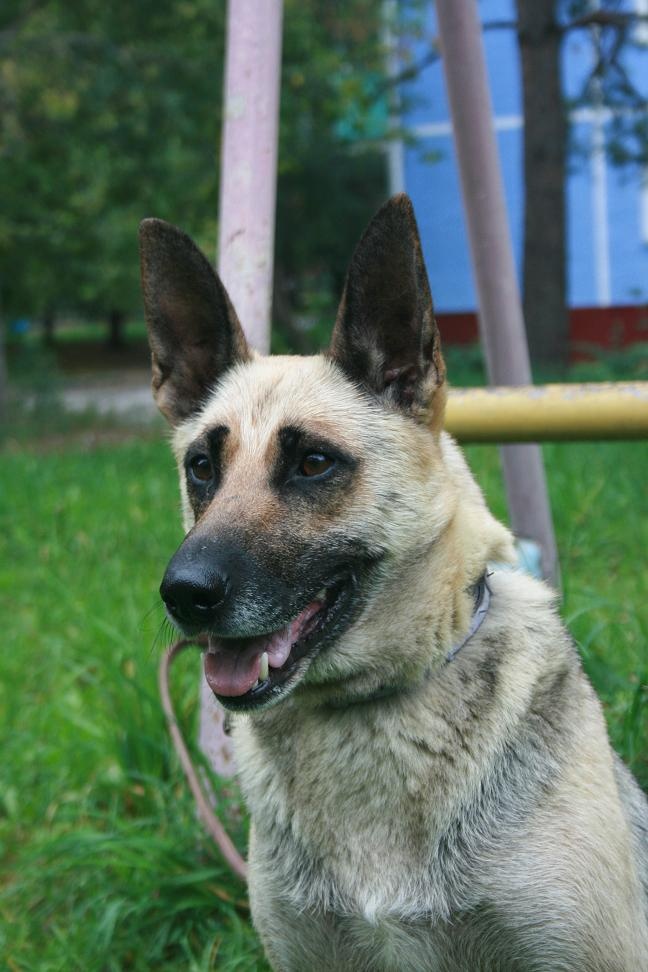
{"x":200,"y":469}
{"x":315,"y":464}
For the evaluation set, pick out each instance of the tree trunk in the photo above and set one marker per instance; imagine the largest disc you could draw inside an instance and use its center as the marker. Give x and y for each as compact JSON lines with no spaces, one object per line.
{"x":283,"y":315}
{"x":545,"y":153}
{"x":4,"y":391}
{"x":116,"y":320}
{"x":48,"y":320}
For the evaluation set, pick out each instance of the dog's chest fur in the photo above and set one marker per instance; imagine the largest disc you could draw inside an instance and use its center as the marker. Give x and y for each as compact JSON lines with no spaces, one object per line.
{"x":325,"y":816}
{"x":375,"y":817}
{"x":330,"y":853}
{"x":395,"y":835}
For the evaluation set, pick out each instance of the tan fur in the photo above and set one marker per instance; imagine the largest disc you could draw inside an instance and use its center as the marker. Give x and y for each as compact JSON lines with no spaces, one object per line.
{"x":349,"y":803}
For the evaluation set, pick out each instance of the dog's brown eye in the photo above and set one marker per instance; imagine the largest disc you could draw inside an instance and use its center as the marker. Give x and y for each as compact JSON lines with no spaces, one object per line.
{"x":314,"y":464}
{"x":201,"y":469}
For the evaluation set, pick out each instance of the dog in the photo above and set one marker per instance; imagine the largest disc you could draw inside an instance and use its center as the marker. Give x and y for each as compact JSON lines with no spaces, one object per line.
{"x":426,"y":766}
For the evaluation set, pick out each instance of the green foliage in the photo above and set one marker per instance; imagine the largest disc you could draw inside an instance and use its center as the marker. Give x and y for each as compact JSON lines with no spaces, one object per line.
{"x":626,"y":364}
{"x":112,"y":112}
{"x":104,"y":864}
{"x":614,"y":82}
{"x":332,"y":174}
{"x":467,"y":367}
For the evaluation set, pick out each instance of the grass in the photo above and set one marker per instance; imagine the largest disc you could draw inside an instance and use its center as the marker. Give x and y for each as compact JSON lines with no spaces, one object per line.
{"x":467,"y":367}
{"x":103,"y":864}
{"x":598,"y":498}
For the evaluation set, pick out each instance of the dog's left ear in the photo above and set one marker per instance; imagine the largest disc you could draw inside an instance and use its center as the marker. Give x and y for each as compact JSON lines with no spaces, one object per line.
{"x":385,"y":336}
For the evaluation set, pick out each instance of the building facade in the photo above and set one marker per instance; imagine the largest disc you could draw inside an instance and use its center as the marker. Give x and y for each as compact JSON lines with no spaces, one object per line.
{"x":607,"y":223}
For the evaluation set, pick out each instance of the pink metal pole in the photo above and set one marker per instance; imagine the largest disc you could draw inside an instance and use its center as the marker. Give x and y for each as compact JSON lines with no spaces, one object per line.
{"x":247,"y":221}
{"x":249,"y":161}
{"x":500,"y":307}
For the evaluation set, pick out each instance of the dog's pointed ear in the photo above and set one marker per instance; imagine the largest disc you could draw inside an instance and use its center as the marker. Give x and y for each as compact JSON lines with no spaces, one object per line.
{"x":193,"y":329}
{"x":385,"y":336}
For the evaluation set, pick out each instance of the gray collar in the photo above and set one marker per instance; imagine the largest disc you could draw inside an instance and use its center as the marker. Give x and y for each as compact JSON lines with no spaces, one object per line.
{"x":480,"y":610}
{"x":482,"y":599}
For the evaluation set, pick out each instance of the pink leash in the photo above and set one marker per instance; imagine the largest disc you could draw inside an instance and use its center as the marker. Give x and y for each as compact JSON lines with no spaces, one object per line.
{"x":212,"y":824}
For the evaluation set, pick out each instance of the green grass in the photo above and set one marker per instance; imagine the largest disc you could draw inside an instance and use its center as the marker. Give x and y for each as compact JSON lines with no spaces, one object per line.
{"x":103,"y":864}
{"x":467,"y":367}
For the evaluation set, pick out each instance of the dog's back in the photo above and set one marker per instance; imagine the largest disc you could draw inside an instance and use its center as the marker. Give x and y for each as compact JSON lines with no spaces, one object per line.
{"x":635,"y":808}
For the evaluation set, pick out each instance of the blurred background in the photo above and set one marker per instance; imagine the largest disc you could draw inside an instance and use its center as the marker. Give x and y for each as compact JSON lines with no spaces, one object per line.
{"x":112,"y":112}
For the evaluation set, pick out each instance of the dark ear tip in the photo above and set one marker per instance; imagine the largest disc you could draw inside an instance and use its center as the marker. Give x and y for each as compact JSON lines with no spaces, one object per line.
{"x":151,"y":228}
{"x":401,"y":200}
{"x":397,"y":213}
{"x":401,"y":204}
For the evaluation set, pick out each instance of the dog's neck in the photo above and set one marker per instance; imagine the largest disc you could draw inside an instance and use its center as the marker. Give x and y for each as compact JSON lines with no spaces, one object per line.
{"x":482,"y":595}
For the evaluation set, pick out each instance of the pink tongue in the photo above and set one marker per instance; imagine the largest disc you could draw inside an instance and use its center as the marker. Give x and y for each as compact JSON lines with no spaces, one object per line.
{"x":232,"y":665}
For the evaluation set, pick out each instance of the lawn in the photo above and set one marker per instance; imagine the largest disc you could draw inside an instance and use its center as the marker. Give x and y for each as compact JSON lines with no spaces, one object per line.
{"x":104,"y":866}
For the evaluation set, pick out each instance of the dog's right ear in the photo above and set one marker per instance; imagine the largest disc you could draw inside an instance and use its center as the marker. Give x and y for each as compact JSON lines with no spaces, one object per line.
{"x":194,"y":332}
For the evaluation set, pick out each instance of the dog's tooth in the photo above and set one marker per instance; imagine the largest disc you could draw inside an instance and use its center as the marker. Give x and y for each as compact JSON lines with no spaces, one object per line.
{"x":264,"y":669}
{"x":322,"y":595}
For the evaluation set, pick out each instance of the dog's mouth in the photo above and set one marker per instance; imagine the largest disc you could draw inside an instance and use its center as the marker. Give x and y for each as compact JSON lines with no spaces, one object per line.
{"x":245,"y":673}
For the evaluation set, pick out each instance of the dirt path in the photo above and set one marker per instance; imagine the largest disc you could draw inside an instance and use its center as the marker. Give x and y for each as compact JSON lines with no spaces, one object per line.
{"x":126,"y":395}
{"x":124,"y":402}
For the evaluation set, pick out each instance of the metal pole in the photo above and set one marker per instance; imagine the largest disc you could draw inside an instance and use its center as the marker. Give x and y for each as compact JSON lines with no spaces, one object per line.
{"x":395,"y":147}
{"x":248,"y":187}
{"x":249,"y":162}
{"x":500,"y":308}
{"x":597,"y":411}
{"x":598,"y":175}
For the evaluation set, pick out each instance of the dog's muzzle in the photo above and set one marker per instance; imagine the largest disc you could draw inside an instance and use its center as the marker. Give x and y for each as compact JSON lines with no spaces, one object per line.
{"x":265,"y":620}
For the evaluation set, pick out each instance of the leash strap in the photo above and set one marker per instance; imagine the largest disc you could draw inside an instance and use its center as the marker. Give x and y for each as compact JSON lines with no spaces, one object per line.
{"x":210,"y":821}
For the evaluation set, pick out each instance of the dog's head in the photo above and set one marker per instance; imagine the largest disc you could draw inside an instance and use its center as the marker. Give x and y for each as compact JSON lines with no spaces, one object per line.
{"x":305,"y":481}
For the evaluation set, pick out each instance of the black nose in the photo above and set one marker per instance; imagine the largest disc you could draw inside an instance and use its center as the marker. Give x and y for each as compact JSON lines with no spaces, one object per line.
{"x":194,"y":594}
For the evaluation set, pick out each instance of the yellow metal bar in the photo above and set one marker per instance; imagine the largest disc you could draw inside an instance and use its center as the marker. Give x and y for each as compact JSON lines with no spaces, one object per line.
{"x":539,"y":413}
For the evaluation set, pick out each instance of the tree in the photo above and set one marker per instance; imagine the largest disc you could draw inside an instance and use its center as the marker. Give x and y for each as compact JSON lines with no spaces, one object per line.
{"x":111,"y":112}
{"x":332,"y":173}
{"x":3,"y":373}
{"x":545,"y":163}
{"x":541,"y":28}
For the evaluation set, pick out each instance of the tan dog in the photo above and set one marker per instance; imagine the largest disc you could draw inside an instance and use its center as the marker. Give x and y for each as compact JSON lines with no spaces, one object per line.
{"x":427,"y":767}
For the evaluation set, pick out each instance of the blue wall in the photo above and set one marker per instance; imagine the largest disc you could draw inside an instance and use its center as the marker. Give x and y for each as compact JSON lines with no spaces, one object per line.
{"x":434,"y":185}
